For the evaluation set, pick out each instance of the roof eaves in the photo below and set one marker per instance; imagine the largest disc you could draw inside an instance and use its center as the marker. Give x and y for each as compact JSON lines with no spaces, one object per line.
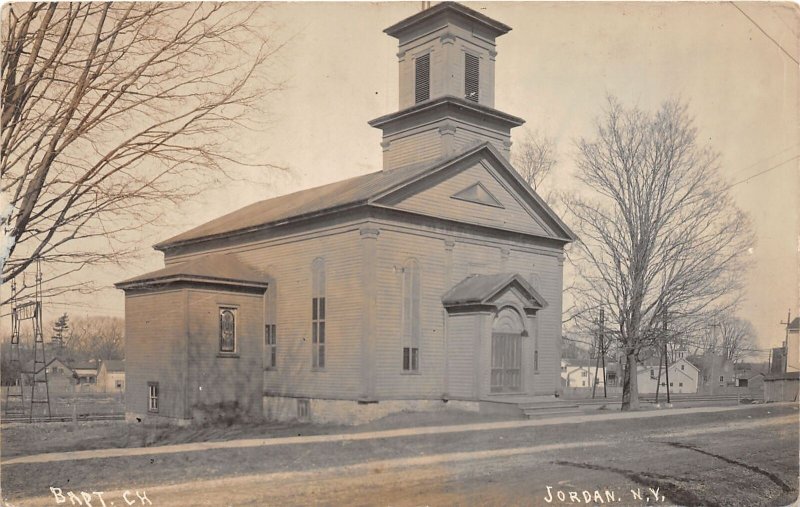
{"x":444,"y":100}
{"x":168,"y":279}
{"x":167,"y":244}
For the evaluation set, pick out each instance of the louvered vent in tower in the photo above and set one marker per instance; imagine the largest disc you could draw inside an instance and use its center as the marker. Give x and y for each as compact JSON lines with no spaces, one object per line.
{"x":422,"y":78}
{"x":471,"y":77}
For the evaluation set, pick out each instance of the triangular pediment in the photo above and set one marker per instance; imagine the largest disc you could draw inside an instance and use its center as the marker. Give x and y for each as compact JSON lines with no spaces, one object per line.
{"x":493,"y":290}
{"x":478,"y":194}
{"x":478,"y":187}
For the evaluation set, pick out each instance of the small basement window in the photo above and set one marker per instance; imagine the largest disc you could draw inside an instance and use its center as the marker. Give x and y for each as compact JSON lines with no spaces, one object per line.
{"x":422,"y":78}
{"x":152,"y":396}
{"x":303,"y":409}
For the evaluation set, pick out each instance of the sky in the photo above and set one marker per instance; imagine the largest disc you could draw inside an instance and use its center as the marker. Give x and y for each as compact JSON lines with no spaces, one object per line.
{"x":734,"y":64}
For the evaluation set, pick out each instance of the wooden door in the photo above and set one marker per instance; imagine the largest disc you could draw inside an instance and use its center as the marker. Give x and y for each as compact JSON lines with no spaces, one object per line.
{"x":506,"y":362}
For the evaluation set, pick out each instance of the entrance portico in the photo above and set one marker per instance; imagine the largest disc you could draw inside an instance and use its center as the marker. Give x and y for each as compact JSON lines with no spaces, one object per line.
{"x":492,"y":347}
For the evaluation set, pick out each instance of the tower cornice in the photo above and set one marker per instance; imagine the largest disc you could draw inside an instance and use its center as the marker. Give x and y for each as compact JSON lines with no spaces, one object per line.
{"x":444,"y":8}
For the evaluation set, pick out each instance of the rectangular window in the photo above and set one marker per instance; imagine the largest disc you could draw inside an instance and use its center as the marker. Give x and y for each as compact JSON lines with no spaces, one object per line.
{"x":318,"y":332}
{"x":680,"y":384}
{"x":152,"y":396}
{"x":303,"y":409}
{"x":270,"y":346}
{"x":410,"y":359}
{"x":227,"y":330}
{"x":682,"y":367}
{"x":721,"y":378}
{"x":118,"y":384}
{"x":670,"y":384}
{"x":422,"y":78}
{"x":471,"y":77}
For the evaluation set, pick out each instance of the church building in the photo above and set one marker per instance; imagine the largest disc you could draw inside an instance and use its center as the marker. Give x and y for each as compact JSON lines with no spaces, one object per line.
{"x":433,"y":283}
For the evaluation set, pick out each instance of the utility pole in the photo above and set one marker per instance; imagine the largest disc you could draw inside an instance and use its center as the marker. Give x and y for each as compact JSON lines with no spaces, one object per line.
{"x":786,"y":340}
{"x":603,"y":350}
{"x":596,"y":348}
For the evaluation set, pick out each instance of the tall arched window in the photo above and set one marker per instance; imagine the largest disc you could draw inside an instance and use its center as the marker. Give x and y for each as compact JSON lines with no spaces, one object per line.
{"x":318,"y":313}
{"x":412,"y":326}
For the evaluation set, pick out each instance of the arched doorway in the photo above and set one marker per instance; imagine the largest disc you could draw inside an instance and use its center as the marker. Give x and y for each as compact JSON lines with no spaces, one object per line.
{"x":507,"y":332}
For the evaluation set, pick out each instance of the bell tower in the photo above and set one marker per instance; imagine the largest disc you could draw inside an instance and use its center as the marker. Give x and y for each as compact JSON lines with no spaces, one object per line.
{"x":446,"y":67}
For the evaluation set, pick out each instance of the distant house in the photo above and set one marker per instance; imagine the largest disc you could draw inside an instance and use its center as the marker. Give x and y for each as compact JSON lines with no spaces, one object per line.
{"x":59,"y":374}
{"x":683,"y":378}
{"x":576,"y":375}
{"x":750,"y":379}
{"x":716,"y":373}
{"x":111,"y":376}
{"x":85,"y":373}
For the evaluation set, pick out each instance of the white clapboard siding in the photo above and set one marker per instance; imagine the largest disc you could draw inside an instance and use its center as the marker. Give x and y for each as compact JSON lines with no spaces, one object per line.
{"x":395,"y":249}
{"x":419,"y":147}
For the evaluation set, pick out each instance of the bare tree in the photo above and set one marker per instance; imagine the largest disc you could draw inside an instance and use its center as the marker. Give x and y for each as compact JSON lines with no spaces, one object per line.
{"x":659,"y":233}
{"x":534,"y":157}
{"x":731,"y":337}
{"x":111,"y":110}
{"x":95,"y":337}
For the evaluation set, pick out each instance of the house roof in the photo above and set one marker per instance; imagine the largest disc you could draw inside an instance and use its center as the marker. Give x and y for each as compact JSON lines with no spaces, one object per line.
{"x":222,"y":268}
{"x":85,"y":365}
{"x":29,"y":365}
{"x":748,"y":374}
{"x":794,"y":326}
{"x":480,"y":289}
{"x":685,"y":360}
{"x":341,"y":195}
{"x":114,"y":365}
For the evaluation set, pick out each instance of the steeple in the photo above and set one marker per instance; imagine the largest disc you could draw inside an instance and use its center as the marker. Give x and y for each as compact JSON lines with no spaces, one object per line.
{"x":447,"y":60}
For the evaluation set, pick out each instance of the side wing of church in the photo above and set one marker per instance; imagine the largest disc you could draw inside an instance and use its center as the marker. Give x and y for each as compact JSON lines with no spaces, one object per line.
{"x":435,"y":282}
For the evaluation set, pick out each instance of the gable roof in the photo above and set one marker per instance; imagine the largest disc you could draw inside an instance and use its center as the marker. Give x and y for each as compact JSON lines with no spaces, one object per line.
{"x":480,"y":289}
{"x":685,"y":361}
{"x":346,"y":194}
{"x":114,"y":365}
{"x":794,"y":326}
{"x":221,"y":268}
{"x":29,"y":365}
{"x":84,"y":365}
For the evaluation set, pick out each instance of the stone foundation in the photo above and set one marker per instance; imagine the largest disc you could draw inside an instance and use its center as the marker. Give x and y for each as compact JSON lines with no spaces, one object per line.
{"x":350,"y":412}
{"x":156,"y":420}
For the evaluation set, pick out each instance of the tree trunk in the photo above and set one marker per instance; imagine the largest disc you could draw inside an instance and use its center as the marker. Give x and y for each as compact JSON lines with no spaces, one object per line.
{"x":630,"y":388}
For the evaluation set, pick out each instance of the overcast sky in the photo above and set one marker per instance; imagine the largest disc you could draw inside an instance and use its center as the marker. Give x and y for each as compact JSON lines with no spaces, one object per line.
{"x":554,"y":69}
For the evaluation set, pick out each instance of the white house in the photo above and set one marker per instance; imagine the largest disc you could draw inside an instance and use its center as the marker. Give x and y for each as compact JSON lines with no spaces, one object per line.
{"x":111,"y":376}
{"x":683,"y":377}
{"x":574,"y":375}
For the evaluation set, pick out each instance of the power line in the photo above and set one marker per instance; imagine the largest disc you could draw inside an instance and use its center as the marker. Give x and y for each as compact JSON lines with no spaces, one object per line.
{"x":765,"y":171}
{"x":792,"y":58}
